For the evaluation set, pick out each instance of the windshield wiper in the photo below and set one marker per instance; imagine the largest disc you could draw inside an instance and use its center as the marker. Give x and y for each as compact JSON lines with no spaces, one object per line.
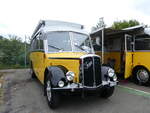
{"x":55,"y":47}
{"x":84,"y":48}
{"x":79,"y":47}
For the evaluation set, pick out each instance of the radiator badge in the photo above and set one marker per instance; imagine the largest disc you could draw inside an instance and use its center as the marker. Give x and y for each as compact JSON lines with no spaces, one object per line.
{"x":88,"y":64}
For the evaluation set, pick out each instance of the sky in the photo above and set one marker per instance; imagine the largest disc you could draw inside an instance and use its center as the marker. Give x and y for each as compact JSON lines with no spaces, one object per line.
{"x":20,"y":17}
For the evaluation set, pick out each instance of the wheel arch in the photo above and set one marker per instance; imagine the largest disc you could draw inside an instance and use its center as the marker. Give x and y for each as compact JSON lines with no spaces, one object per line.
{"x":138,"y":67}
{"x":56,"y":72}
{"x":45,"y":74}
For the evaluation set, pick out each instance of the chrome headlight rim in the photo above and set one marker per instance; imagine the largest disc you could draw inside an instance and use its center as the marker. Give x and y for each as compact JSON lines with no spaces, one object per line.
{"x":111,"y":72}
{"x":70,"y":75}
{"x":61,"y":83}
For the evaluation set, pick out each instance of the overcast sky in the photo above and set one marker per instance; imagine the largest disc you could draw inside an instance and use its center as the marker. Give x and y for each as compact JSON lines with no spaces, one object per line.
{"x":20,"y":17}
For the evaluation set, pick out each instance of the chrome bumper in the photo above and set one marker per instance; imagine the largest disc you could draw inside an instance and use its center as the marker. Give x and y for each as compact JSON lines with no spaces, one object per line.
{"x":109,"y":83}
{"x":78,"y":86}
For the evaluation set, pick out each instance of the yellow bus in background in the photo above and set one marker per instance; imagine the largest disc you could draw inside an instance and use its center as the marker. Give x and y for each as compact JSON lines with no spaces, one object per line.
{"x":127,"y":51}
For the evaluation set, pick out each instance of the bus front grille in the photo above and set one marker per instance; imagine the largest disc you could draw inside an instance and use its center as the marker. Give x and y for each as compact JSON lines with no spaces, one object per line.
{"x":91,"y":71}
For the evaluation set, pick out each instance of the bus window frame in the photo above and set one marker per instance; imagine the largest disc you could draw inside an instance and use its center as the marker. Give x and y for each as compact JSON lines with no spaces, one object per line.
{"x":141,"y":49}
{"x":132,"y":43}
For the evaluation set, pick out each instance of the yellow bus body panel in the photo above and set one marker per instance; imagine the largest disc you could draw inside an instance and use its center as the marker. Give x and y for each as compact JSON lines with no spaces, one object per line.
{"x":128,"y":65}
{"x":52,"y":59}
{"x":141,"y":59}
{"x":112,"y":55}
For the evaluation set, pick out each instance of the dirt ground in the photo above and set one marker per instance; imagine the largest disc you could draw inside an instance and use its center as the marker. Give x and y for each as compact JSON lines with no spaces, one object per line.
{"x":21,"y":94}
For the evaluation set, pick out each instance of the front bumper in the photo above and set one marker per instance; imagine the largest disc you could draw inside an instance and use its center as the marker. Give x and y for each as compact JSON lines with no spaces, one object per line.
{"x":73,"y":87}
{"x":109,"y":83}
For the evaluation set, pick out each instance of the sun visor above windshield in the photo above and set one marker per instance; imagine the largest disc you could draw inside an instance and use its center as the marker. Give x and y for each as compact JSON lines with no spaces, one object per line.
{"x":51,"y":23}
{"x":43,"y":24}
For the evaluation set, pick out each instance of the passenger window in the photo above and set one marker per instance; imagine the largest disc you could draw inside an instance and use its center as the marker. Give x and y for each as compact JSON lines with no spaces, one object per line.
{"x":32,"y":48}
{"x":142,"y":43}
{"x":41,"y":44}
{"x":37,"y":43}
{"x":129,"y":43}
{"x":34,"y":44}
{"x":113,"y":44}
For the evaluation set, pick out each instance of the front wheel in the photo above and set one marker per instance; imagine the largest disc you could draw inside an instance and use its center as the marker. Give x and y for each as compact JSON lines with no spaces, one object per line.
{"x":52,"y":96}
{"x":142,"y":76}
{"x":107,"y":91}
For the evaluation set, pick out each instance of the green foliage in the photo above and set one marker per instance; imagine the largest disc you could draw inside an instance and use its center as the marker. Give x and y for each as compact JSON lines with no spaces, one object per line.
{"x":12,"y":52}
{"x":124,"y":24}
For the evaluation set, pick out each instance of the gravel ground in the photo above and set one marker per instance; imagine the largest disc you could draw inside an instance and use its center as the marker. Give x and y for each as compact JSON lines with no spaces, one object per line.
{"x":21,"y":94}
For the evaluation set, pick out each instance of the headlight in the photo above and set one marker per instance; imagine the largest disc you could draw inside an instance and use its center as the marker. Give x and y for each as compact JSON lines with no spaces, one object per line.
{"x":61,"y":83}
{"x":115,"y":78}
{"x":70,"y":75}
{"x":111,"y":72}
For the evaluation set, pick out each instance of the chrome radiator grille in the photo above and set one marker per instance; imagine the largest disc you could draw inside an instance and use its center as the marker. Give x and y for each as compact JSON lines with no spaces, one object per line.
{"x":91,"y":71}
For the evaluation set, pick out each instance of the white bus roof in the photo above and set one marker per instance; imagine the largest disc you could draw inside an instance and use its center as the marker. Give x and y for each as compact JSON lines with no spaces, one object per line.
{"x":52,"y":25}
{"x":139,"y":28}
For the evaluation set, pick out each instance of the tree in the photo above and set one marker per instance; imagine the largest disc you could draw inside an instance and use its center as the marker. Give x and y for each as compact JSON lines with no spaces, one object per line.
{"x":124,"y":24}
{"x":12,"y":52}
{"x":1,"y":37}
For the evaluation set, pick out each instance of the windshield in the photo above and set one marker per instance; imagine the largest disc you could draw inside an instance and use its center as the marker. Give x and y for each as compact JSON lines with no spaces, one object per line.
{"x":59,"y":41}
{"x":68,"y":41}
{"x":81,"y":42}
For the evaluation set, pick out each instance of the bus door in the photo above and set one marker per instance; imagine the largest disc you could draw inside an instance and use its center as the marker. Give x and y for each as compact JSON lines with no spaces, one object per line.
{"x":128,"y":55}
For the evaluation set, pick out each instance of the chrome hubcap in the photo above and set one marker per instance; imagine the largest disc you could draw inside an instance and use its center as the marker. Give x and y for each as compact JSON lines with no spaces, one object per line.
{"x":142,"y":76}
{"x":48,"y":90}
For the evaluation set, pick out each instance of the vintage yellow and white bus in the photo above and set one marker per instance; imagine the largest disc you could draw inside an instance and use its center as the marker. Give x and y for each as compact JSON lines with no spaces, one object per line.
{"x":127,"y":51}
{"x":63,"y":59}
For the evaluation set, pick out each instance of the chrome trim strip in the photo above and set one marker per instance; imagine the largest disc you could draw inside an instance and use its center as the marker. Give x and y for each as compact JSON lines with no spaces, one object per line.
{"x":89,"y":55}
{"x":64,"y":58}
{"x":92,"y":87}
{"x":110,"y":83}
{"x":76,"y":86}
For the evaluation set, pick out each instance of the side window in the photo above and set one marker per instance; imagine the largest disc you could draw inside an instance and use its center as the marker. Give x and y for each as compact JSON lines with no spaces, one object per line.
{"x":113,"y":44}
{"x":37,"y":43}
{"x":34,"y":44}
{"x":96,"y":43}
{"x":41,"y":44}
{"x":142,"y":43}
{"x":129,"y":43}
{"x":31,"y":49}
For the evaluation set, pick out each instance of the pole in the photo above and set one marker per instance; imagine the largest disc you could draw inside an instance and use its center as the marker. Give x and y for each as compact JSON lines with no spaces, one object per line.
{"x":103,"y":45}
{"x":25,"y":53}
